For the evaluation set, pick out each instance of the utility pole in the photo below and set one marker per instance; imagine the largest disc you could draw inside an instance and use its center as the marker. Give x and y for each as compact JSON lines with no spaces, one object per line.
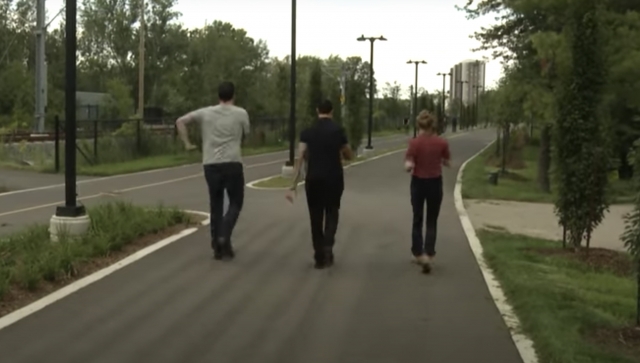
{"x":41,"y":68}
{"x":292,"y":95}
{"x":141,"y":62}
{"x":444,"y":80}
{"x":342,"y":80}
{"x":362,"y":38}
{"x":415,"y":95}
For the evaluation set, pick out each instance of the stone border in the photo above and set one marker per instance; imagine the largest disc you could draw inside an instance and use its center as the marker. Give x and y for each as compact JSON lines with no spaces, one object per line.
{"x":47,"y":300}
{"x":523,"y":344}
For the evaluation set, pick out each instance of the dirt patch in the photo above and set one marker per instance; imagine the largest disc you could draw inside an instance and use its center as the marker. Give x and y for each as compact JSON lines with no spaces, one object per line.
{"x":596,"y":258}
{"x":18,"y":297}
{"x":626,"y":339}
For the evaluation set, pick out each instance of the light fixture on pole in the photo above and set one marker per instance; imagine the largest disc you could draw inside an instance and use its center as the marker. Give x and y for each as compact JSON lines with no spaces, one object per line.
{"x":362,"y":38}
{"x":415,"y":95}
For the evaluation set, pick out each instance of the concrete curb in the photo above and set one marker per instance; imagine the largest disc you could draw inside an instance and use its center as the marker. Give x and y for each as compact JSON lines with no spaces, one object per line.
{"x":522,"y":342}
{"x":65,"y":291}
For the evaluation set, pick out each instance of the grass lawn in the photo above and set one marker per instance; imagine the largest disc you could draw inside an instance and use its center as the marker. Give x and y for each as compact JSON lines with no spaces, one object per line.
{"x":520,"y":184}
{"x":32,"y":266}
{"x":574,"y":311}
{"x":280,"y":182}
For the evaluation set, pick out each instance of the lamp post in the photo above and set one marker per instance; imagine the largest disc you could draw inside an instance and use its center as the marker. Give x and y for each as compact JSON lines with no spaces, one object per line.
{"x":415,"y":94}
{"x":342,"y":80}
{"x":292,"y":96}
{"x":71,"y":217}
{"x":444,"y":79}
{"x":461,"y":104}
{"x":477,"y":87}
{"x":362,"y":38}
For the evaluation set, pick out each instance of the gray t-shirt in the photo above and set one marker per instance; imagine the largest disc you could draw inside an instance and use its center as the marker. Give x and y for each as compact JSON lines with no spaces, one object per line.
{"x":222,"y":129}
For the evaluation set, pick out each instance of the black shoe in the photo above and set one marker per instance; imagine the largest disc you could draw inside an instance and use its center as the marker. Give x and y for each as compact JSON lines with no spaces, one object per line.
{"x":228,"y":254}
{"x":319,"y":265}
{"x":217,"y":253}
{"x":329,"y":259}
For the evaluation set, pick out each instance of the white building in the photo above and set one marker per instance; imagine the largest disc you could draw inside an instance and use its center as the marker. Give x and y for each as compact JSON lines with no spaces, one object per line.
{"x":467,"y":81}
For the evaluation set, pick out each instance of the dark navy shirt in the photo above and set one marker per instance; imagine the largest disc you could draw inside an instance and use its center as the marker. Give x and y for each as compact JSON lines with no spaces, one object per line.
{"x":324,"y":140}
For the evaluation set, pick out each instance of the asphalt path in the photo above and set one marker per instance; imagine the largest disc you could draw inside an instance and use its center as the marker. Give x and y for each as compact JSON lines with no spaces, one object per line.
{"x":25,"y":207}
{"x":269,"y":305}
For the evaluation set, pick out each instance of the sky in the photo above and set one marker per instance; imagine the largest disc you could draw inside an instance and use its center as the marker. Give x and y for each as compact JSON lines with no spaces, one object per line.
{"x":430,"y":30}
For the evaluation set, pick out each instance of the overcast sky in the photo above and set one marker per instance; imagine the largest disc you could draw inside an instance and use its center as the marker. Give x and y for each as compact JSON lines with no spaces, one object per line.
{"x":432,"y":30}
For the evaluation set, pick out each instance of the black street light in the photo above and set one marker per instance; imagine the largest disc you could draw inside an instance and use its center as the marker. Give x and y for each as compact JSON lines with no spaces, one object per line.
{"x":477,"y":87}
{"x":70,"y":209}
{"x":292,"y":96}
{"x":460,"y":104}
{"x":415,"y":95}
{"x":444,"y":79}
{"x":362,"y":38}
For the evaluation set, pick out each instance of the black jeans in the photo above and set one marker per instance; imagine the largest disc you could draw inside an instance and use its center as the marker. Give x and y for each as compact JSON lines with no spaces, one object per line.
{"x":223,"y":177}
{"x":323,"y":200}
{"x":429,"y":191}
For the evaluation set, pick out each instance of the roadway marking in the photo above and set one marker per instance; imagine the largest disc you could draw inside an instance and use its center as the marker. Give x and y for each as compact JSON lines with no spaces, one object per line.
{"x":170,"y":181}
{"x":252,"y":184}
{"x":93,"y":180}
{"x":114,"y":193}
{"x":523,"y":343}
{"x":69,"y":289}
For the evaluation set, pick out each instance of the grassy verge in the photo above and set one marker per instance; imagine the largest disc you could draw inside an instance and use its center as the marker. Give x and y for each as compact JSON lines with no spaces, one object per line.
{"x":280,"y":182}
{"x":576,"y":308}
{"x":519,"y":184}
{"x":32,"y":266}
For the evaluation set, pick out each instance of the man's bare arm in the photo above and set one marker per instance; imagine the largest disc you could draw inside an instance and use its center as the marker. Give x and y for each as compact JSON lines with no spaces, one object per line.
{"x":181,"y":126}
{"x":297,"y":169}
{"x":346,"y":152}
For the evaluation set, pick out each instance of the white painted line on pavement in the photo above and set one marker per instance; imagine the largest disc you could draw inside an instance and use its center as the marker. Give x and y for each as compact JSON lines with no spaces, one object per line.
{"x":115,"y":192}
{"x":40,"y":304}
{"x":522,"y":342}
{"x":252,"y":184}
{"x":156,"y":171}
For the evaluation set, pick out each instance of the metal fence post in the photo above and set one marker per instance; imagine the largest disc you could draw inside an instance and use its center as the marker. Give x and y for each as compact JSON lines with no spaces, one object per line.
{"x":56,"y":122}
{"x":95,"y":140}
{"x":138,"y":136}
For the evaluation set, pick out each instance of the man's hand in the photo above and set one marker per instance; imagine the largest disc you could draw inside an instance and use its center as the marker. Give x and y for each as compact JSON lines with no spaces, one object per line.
{"x":189,"y":146}
{"x":291,"y":195}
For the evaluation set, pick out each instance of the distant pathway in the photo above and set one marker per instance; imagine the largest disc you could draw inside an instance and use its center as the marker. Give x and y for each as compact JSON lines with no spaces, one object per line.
{"x":539,"y":220}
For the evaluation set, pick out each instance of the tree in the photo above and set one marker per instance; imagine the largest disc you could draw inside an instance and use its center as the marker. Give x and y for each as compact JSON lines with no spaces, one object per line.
{"x":631,"y":235}
{"x":315,"y":90}
{"x":579,"y":143}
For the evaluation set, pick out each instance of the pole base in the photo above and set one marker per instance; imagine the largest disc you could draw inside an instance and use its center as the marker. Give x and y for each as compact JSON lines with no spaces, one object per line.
{"x":287,"y":171}
{"x":367,"y":151}
{"x":68,"y":226}
{"x":70,"y":211}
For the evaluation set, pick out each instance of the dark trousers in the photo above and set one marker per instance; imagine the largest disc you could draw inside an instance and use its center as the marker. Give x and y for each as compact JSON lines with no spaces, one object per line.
{"x":223,"y":177}
{"x":429,"y":192}
{"x":323,"y":200}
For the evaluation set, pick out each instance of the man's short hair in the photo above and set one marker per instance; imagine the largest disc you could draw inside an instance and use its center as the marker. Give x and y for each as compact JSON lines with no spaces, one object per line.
{"x":325,"y":107}
{"x":226,"y":91}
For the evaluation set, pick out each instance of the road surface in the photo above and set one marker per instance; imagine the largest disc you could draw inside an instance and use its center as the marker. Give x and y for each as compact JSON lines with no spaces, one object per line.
{"x":269,"y":305}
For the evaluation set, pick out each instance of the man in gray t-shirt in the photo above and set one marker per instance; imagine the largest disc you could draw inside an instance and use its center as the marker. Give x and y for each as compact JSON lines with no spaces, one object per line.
{"x":223,"y":129}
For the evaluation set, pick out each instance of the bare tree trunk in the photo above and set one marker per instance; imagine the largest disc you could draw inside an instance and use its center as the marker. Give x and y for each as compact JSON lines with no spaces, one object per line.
{"x":544,"y":159}
{"x":564,"y":236}
{"x":498,"y":142}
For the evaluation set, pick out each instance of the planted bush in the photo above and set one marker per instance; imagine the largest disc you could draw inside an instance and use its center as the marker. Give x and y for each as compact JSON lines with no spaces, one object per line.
{"x":29,"y":258}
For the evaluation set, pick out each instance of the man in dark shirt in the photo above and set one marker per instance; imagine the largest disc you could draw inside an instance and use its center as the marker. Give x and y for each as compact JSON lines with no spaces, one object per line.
{"x":323,"y":145}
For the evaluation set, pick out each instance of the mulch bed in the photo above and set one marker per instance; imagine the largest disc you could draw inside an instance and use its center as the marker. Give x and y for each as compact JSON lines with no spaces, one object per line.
{"x":596,"y":258}
{"x":627,"y":339}
{"x":18,"y":297}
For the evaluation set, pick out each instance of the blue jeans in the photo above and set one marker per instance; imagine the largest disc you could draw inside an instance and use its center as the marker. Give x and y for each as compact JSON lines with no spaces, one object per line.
{"x":221,"y":178}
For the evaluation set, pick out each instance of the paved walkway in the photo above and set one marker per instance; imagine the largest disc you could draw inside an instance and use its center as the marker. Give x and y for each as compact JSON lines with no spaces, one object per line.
{"x":269,"y":305}
{"x":539,"y":220}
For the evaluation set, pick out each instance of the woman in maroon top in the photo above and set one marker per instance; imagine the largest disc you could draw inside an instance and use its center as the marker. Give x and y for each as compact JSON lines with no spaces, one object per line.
{"x":424,"y":159}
